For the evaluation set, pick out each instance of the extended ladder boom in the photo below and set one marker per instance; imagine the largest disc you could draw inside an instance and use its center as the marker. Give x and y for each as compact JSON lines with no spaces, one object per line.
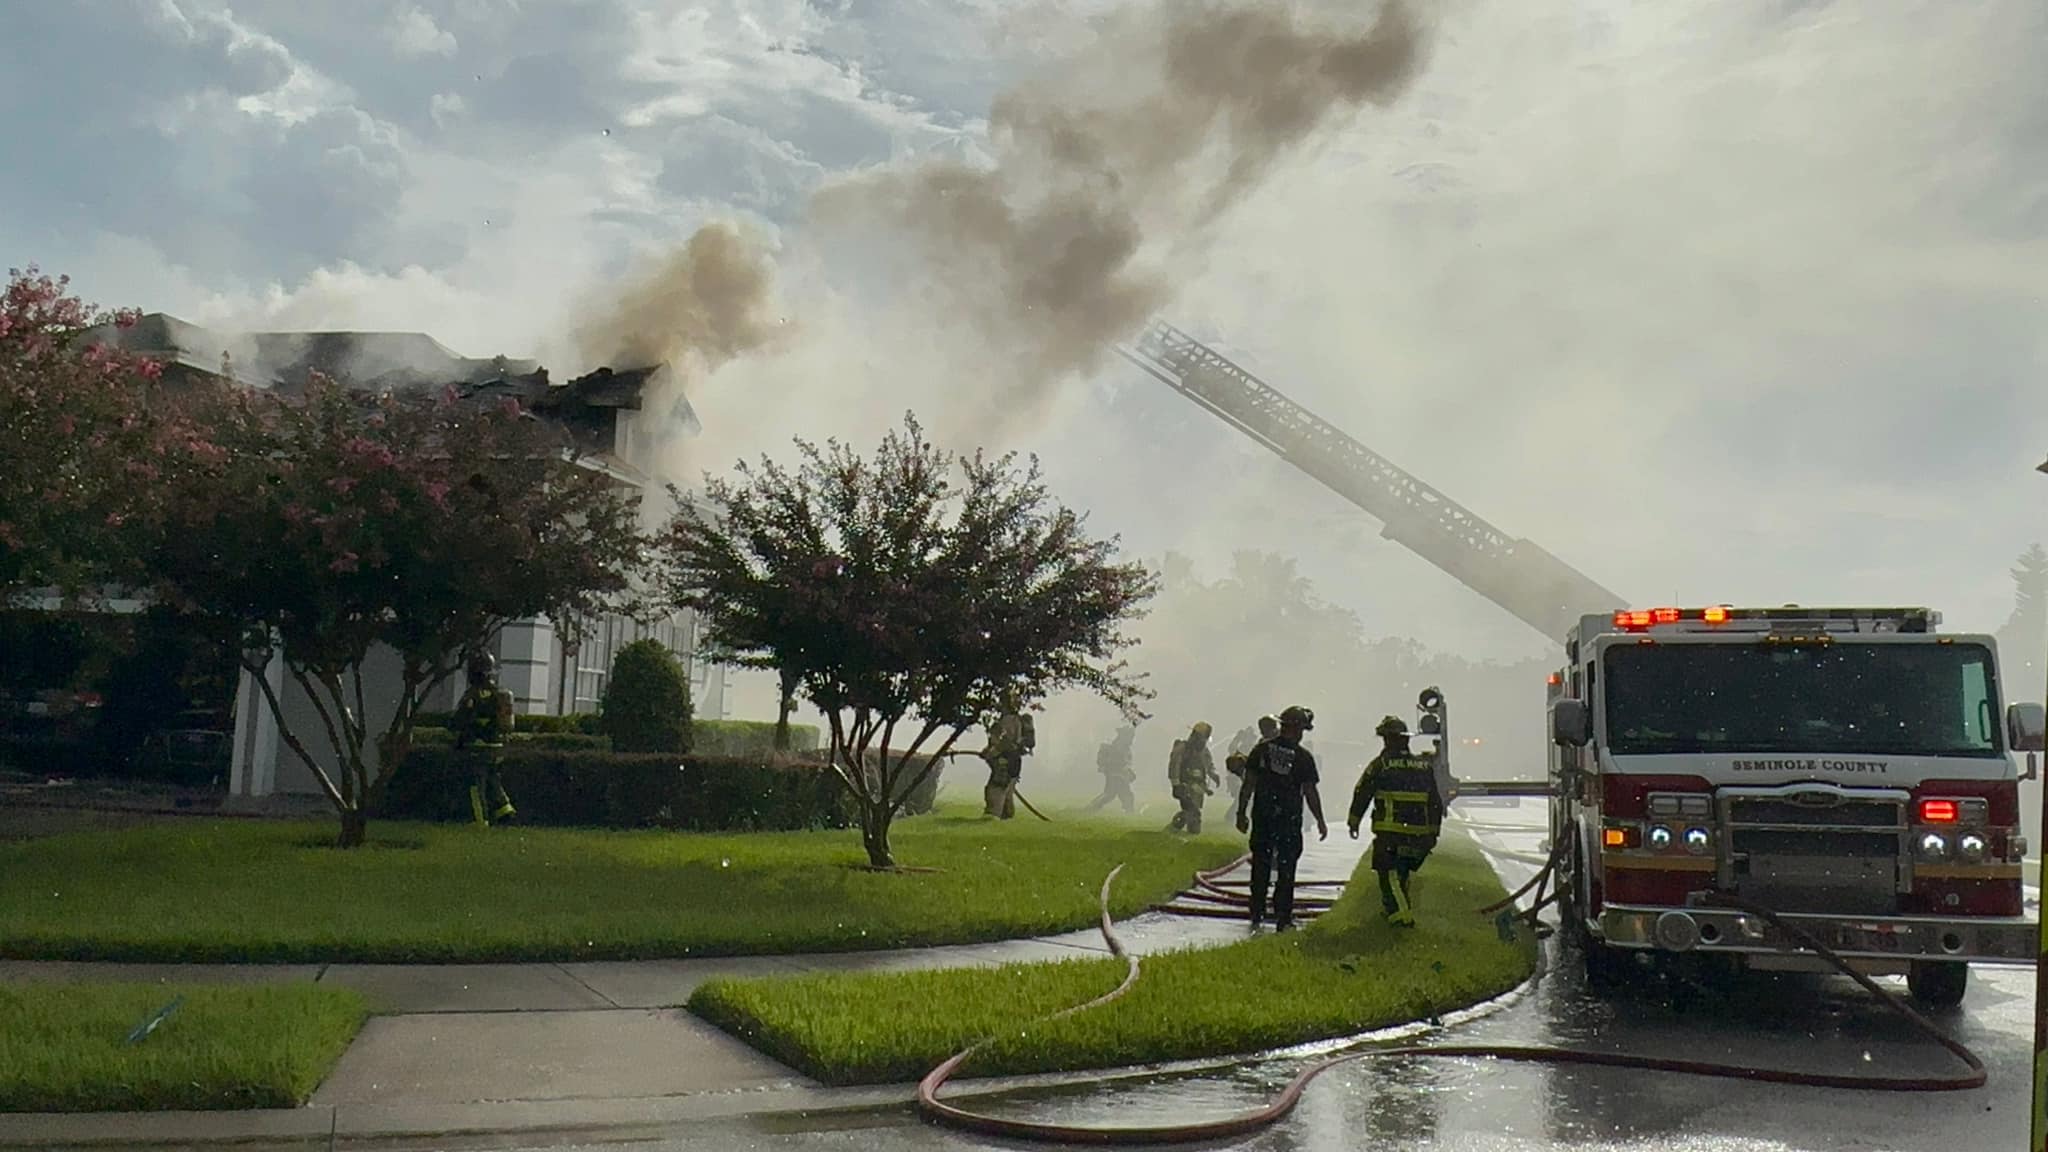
{"x":1538,"y":588}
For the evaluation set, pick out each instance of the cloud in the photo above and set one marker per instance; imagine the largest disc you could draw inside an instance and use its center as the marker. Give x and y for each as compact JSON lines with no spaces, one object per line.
{"x":447,"y":107}
{"x":235,"y":153}
{"x":414,"y":33}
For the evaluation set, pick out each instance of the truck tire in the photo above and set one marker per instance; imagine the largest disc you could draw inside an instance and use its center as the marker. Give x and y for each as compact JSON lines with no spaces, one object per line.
{"x":1938,"y":983}
{"x":1608,"y":969}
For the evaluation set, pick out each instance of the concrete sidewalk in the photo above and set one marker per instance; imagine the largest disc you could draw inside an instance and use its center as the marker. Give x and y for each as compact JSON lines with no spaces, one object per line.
{"x":516,"y":1047}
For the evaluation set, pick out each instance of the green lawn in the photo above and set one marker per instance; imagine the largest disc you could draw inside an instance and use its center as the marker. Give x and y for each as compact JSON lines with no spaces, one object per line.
{"x":63,"y":1048}
{"x":238,"y":890}
{"x":1346,"y":973}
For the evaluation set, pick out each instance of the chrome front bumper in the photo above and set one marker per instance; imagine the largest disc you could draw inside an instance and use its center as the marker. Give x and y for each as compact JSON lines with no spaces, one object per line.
{"x":1980,"y":940}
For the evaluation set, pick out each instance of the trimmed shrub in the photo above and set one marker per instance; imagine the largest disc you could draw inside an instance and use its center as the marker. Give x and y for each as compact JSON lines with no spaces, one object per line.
{"x":445,"y":738}
{"x":561,"y":741}
{"x":647,"y":700}
{"x":749,"y":737}
{"x":576,"y":723}
{"x":561,"y":787}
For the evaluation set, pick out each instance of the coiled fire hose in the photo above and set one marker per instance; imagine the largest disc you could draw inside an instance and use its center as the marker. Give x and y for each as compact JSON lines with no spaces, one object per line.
{"x":1244,"y":1123}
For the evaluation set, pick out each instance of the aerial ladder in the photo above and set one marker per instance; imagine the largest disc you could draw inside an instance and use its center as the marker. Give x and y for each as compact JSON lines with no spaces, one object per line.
{"x":1534,"y":586}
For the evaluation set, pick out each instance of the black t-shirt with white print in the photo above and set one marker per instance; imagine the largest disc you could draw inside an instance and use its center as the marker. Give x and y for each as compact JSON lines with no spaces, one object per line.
{"x":1277,"y":771}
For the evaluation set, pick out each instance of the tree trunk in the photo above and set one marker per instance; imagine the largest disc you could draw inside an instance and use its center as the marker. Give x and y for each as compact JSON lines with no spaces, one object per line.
{"x":874,"y":836}
{"x":355,"y":828}
{"x":782,"y":716}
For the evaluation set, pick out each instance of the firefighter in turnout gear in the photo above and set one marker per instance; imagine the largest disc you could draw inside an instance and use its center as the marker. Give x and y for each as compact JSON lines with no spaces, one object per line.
{"x":1191,"y":770}
{"x":483,"y":719}
{"x":1241,"y":746}
{"x":1010,"y":739}
{"x":1279,"y":775}
{"x":1113,"y":760}
{"x":1408,"y":815}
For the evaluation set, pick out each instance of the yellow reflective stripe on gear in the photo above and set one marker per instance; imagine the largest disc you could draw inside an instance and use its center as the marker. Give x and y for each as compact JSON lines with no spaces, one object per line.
{"x":1390,"y":802}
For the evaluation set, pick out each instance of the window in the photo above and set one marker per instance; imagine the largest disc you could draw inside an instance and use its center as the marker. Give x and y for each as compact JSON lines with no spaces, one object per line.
{"x":1845,"y":697}
{"x":1976,"y":703}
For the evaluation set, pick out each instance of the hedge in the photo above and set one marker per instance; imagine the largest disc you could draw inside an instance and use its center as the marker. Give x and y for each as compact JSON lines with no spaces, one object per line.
{"x":580,"y":788}
{"x":749,"y":737}
{"x":582,"y":723}
{"x":558,"y":740}
{"x":742,"y":738}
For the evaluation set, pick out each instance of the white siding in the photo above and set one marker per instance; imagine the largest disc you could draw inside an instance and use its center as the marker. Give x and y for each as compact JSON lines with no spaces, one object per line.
{"x":531,"y":664}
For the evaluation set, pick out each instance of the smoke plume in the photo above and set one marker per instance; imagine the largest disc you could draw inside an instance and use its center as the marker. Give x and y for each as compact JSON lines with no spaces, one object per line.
{"x":704,"y":305}
{"x":1112,"y":170}
{"x":1113,"y":167}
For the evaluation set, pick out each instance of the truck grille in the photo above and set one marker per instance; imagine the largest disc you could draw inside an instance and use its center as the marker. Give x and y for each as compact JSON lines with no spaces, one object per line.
{"x":1849,"y":814}
{"x":1840,"y":853}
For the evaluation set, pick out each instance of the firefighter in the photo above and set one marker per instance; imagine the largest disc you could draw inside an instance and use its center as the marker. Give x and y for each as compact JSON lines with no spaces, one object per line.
{"x":483,"y":718}
{"x":1279,"y":775}
{"x":1191,"y":770}
{"x":1010,"y":740}
{"x":1113,"y":759}
{"x":1241,"y":745}
{"x":1406,"y":819}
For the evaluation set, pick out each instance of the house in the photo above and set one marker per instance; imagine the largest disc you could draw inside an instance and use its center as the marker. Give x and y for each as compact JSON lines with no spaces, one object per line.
{"x":604,"y":415}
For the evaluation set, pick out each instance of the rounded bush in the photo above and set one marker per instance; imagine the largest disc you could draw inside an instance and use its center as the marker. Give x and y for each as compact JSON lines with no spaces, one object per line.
{"x":647,"y":701}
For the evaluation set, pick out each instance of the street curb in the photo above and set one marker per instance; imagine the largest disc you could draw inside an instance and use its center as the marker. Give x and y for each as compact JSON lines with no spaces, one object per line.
{"x":385,"y":1126}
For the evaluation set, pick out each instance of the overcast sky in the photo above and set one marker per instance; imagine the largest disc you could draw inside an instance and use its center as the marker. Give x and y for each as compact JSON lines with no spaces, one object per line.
{"x":1718,"y":300}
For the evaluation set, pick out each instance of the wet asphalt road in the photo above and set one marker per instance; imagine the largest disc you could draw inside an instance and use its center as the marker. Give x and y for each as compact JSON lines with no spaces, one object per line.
{"x":1471,"y":1106}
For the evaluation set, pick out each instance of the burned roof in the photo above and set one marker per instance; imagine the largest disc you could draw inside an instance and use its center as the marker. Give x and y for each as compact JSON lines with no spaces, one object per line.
{"x":373,"y":361}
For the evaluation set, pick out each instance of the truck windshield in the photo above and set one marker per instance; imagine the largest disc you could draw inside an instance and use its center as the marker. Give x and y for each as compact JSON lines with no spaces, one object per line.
{"x":1891,"y":699}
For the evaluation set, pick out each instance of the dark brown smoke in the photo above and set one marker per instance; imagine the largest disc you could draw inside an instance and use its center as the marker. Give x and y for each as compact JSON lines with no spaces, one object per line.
{"x":707,"y":303}
{"x":1112,"y":169}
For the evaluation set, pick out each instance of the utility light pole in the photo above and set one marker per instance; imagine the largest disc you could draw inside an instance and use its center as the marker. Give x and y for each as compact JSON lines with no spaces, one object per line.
{"x":2038,"y":1142}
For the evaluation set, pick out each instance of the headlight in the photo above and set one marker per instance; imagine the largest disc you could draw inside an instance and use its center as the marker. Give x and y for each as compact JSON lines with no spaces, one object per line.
{"x":1973,"y":848}
{"x":1660,"y":837}
{"x":1934,"y":846}
{"x":1696,"y":839}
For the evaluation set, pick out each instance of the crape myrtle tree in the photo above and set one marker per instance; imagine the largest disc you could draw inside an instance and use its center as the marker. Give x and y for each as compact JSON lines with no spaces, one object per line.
{"x":903,"y":595}
{"x":75,"y":422}
{"x":324,"y":525}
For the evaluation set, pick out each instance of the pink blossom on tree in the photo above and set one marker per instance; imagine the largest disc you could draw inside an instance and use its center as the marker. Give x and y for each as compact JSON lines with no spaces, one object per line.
{"x":72,"y":419}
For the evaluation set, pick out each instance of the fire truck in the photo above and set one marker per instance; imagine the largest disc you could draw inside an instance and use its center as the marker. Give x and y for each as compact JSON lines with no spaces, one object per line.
{"x":1846,"y":768}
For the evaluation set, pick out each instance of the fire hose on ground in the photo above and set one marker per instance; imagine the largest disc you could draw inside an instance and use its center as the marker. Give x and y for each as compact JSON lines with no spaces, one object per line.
{"x":1244,"y":1123}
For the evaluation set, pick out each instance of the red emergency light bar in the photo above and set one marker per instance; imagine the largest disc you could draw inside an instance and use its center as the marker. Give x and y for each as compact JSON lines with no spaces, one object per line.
{"x":1641,"y":619}
{"x":1638,"y":618}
